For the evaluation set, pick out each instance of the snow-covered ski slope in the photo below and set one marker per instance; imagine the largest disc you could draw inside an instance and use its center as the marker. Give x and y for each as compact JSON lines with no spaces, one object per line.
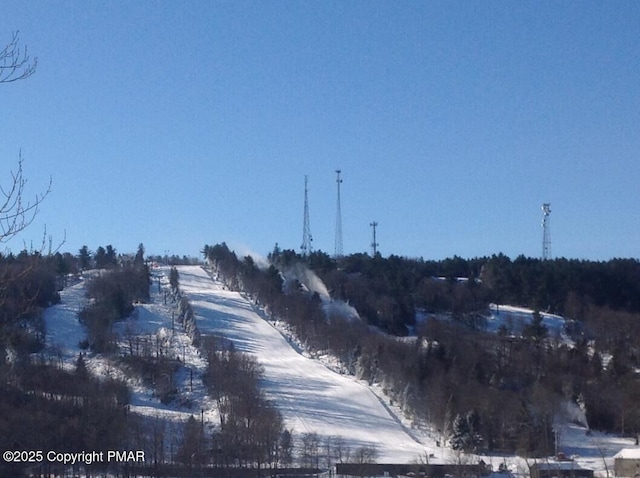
{"x":310,"y":396}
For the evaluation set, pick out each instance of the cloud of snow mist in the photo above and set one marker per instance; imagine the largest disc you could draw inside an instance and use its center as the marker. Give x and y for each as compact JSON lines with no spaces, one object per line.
{"x":243,"y":251}
{"x":313,"y":283}
{"x":572,"y":412}
{"x":338,"y":308}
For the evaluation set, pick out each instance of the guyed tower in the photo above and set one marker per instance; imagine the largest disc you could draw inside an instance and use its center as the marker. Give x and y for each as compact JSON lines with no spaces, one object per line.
{"x":306,"y":229}
{"x":338,"y":244}
{"x":546,"y":232}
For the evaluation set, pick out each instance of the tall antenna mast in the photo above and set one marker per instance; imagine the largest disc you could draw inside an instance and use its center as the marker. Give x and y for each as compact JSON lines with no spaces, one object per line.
{"x":306,"y":229}
{"x":338,"y":245}
{"x":374,"y":244}
{"x":546,"y":232}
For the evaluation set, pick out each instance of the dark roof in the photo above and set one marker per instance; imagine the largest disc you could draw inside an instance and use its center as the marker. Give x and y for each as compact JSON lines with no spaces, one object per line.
{"x":393,"y":469}
{"x":557,"y":465}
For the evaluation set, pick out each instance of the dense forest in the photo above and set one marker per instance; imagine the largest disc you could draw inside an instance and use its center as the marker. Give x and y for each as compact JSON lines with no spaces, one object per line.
{"x":45,"y":405}
{"x":421,"y":333}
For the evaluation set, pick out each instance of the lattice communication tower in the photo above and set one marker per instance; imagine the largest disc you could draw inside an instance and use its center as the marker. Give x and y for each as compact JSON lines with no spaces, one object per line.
{"x":306,"y":247}
{"x":338,"y":244}
{"x":546,"y":231}
{"x":374,"y":243}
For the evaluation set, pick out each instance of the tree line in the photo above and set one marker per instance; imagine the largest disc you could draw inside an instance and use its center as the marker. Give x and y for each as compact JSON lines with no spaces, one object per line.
{"x":480,"y":390}
{"x":250,"y":434}
{"x":112,"y":295}
{"x":44,"y":404}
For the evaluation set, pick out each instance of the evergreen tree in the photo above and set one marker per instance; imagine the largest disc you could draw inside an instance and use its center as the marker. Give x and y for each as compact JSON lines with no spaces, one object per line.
{"x":536,"y":330}
{"x":460,"y":434}
{"x":111,"y":257}
{"x":81,"y":367}
{"x":100,"y":258}
{"x":465,"y":432}
{"x":84,"y":256}
{"x":138,"y":261}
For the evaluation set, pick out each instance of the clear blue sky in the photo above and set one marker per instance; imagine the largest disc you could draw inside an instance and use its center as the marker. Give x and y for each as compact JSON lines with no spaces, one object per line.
{"x":179,"y":124}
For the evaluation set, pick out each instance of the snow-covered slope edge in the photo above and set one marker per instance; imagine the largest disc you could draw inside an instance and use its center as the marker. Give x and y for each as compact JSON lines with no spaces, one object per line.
{"x":311,"y":400}
{"x":311,"y":397}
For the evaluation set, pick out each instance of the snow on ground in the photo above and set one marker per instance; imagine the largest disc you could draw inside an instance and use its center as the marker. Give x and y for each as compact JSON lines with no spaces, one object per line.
{"x":593,"y":450}
{"x":310,"y":396}
{"x":65,"y":333}
{"x":515,"y":319}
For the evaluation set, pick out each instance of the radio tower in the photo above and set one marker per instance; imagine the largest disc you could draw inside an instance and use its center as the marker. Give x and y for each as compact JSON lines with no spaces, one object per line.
{"x":306,"y":229}
{"x":546,"y":232}
{"x":338,"y":245}
{"x":374,"y":244}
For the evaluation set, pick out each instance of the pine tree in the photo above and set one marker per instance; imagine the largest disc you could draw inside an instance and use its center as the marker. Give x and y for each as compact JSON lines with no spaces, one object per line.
{"x":138,"y":261}
{"x":536,"y":329}
{"x":101,"y":258}
{"x":84,"y":256}
{"x":81,"y":367}
{"x":460,"y":433}
{"x":465,"y":432}
{"x":111,"y":257}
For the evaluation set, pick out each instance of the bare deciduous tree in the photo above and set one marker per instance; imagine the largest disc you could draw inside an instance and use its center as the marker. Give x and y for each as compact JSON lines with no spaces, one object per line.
{"x":15,"y":63}
{"x":16,"y":213}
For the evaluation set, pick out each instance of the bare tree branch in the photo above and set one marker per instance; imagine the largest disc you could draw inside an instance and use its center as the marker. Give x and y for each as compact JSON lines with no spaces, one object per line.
{"x":15,"y":63}
{"x":15,"y":213}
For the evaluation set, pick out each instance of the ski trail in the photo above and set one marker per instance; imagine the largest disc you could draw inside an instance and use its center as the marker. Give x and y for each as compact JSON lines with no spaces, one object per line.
{"x":310,"y":396}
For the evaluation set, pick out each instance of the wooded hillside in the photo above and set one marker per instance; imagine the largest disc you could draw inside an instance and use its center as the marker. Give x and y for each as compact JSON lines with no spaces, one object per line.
{"x":483,"y":391}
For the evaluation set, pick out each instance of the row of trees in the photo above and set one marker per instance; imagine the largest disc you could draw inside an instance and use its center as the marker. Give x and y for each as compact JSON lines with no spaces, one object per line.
{"x":563,"y":285}
{"x":251,"y":431}
{"x":388,"y":291}
{"x":112,"y":295}
{"x":28,"y":284}
{"x":43,"y":405}
{"x":46,"y":407}
{"x":483,"y":390}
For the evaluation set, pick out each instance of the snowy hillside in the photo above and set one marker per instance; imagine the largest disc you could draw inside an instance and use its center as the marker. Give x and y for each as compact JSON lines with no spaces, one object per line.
{"x":514,"y":319}
{"x":151,"y":320}
{"x":311,"y":396}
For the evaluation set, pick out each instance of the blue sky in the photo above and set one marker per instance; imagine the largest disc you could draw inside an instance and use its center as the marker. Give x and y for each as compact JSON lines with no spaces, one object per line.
{"x":179,"y":124}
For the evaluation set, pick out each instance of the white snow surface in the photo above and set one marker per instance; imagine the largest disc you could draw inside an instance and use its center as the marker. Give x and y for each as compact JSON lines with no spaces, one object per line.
{"x":516,"y":318}
{"x":64,"y":332}
{"x":629,"y":453}
{"x":311,"y":396}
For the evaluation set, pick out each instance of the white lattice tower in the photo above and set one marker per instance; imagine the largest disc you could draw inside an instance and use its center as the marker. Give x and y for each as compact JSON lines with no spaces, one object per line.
{"x":306,"y":247}
{"x":546,"y":231}
{"x":338,"y":243}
